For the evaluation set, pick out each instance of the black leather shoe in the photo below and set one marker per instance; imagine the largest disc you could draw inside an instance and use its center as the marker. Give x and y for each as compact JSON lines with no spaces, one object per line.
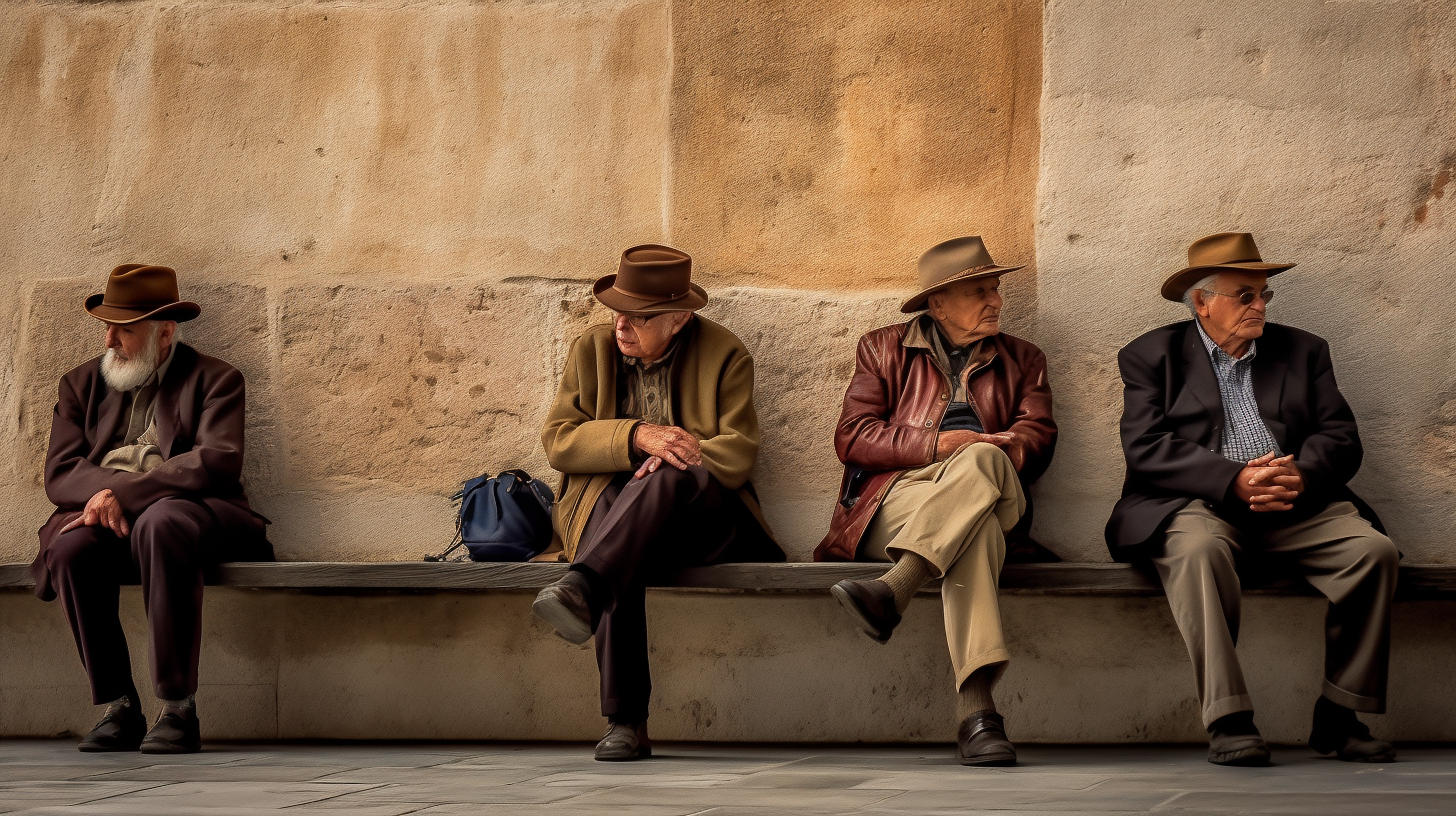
{"x":981,"y":740}
{"x":1338,"y":731}
{"x":624,"y":743}
{"x":564,"y":605}
{"x":121,"y":729}
{"x":1233,"y":740}
{"x":174,"y":733}
{"x":872,"y":603}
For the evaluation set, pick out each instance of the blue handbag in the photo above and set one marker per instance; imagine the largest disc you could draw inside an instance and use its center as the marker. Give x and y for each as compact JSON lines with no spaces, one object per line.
{"x":502,"y":518}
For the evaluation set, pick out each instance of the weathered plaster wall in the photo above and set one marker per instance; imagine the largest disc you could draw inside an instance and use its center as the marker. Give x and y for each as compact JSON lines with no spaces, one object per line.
{"x":390,"y":214}
{"x":1327,"y":130}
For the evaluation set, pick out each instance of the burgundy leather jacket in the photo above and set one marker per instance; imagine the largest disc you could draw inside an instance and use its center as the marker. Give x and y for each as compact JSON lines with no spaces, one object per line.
{"x":892,"y":413}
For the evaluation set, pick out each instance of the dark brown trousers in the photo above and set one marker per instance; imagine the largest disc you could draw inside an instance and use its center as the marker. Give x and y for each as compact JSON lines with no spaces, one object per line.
{"x":642,"y":530}
{"x":170,"y":545}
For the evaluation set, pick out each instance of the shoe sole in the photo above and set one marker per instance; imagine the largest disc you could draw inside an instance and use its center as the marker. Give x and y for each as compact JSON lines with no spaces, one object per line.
{"x":645,"y":753}
{"x":847,"y":601}
{"x":1242,"y":758}
{"x":549,"y":608}
{"x":988,"y":760}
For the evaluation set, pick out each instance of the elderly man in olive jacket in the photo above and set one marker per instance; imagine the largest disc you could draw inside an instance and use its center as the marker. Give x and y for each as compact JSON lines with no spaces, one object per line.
{"x":655,"y":434}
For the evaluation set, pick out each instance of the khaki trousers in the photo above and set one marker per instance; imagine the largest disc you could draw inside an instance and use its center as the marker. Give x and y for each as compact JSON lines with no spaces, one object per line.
{"x":1337,"y":551}
{"x":955,"y":515}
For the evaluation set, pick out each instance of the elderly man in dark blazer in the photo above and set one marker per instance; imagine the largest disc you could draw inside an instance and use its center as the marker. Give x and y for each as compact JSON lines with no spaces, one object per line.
{"x":145,"y":453}
{"x":1239,"y":449}
{"x":944,"y":423}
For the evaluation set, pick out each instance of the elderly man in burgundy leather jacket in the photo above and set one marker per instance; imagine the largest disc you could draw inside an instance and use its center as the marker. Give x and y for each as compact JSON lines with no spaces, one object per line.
{"x":944,"y":424}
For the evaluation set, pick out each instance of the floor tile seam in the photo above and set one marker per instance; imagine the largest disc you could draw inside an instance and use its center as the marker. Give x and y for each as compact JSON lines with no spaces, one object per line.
{"x":116,"y":795}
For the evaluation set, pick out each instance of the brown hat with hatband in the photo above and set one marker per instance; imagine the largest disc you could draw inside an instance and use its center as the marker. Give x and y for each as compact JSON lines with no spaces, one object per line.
{"x":1225,"y":251}
{"x":137,"y":292}
{"x":651,"y":279}
{"x":949,"y":262}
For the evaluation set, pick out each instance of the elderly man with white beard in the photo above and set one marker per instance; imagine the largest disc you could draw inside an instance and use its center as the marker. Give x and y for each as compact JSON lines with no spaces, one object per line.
{"x":146,"y":452}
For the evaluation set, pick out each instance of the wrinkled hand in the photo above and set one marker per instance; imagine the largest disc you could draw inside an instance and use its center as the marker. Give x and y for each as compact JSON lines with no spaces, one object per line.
{"x":666,"y":443}
{"x":948,"y":442}
{"x":1269,"y":484}
{"x":102,"y":510}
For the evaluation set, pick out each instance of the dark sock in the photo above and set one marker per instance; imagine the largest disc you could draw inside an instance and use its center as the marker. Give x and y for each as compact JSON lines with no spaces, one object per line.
{"x":598,"y":591}
{"x":1236,"y":724}
{"x":1329,"y":712}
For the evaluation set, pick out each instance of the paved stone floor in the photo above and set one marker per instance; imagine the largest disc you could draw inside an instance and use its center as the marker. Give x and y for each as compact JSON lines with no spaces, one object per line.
{"x":51,"y":777}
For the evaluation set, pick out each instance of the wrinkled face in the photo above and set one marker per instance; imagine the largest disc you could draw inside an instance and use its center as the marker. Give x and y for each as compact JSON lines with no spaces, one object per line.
{"x":130,"y":341}
{"x":648,"y":336}
{"x":134,"y":350}
{"x":968,"y":309}
{"x":1223,"y":316}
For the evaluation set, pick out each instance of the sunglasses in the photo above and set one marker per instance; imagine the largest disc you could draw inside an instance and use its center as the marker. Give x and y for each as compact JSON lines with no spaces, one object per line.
{"x":1246,"y":298}
{"x":638,"y":321}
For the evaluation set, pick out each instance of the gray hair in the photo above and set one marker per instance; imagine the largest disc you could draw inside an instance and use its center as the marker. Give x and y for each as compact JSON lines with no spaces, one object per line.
{"x":1205,"y":284}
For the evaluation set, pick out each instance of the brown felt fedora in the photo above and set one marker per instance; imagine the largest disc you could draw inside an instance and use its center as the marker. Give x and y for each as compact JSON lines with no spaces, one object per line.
{"x":651,"y":278}
{"x":1232,"y":251}
{"x":949,"y":262}
{"x":136,"y":292}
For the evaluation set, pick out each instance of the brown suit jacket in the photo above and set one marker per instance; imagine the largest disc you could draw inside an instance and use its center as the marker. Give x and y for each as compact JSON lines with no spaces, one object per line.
{"x":892,"y":413}
{"x":198,"y":411}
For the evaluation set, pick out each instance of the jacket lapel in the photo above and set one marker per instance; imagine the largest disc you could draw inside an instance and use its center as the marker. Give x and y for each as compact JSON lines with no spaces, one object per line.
{"x":108,"y":417}
{"x":1199,"y":372}
{"x":1268,"y":377}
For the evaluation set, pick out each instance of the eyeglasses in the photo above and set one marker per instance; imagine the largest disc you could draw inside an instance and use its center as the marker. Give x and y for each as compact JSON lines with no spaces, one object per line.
{"x":1246,"y":298}
{"x":638,"y":321}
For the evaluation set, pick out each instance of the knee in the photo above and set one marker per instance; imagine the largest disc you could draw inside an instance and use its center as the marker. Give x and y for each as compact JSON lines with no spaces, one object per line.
{"x":1199,"y":551}
{"x":168,"y":524}
{"x":669,"y":478}
{"x":1377,"y":554}
{"x":80,"y":545}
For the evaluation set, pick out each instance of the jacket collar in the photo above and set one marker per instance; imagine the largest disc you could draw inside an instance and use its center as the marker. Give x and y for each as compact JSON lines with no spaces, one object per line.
{"x":921,"y":333}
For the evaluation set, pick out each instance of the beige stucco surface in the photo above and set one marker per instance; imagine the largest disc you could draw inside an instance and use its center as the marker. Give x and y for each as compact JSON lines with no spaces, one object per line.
{"x":1326,"y":129}
{"x":391,"y":212}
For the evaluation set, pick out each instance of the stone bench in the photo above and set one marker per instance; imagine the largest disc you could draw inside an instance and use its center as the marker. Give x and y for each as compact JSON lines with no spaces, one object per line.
{"x":1417,"y":581}
{"x":416,"y":650}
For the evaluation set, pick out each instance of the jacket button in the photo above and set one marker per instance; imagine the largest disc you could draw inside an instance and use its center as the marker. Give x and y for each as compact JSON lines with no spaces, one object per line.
{"x":944,"y":397}
{"x":929,"y":423}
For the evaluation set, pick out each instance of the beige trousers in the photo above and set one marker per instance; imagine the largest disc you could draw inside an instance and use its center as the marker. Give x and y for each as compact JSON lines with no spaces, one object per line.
{"x":1337,"y":551}
{"x":955,"y":515}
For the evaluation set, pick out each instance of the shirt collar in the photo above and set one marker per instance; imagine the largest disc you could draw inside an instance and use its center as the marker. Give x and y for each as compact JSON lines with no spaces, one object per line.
{"x":1217,"y":354}
{"x":636,"y":362}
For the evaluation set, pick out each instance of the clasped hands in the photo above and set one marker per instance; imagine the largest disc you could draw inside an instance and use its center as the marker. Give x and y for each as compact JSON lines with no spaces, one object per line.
{"x":948,"y":442}
{"x":665,"y":443}
{"x":102,"y":510}
{"x":1268,"y":484}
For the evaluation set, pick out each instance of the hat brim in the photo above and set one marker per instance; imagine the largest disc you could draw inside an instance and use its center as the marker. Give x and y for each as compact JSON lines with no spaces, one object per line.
{"x":179,"y":311}
{"x":1177,"y":284}
{"x":617,"y":301}
{"x":916,"y":302}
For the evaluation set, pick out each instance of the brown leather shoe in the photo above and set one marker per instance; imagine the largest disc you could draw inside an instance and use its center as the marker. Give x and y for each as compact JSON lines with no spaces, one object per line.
{"x":624,"y":743}
{"x":121,"y":729}
{"x":175,"y":732}
{"x":1233,"y":740}
{"x":872,"y":603}
{"x":1338,"y":731}
{"x":564,"y":605}
{"x":981,"y":741}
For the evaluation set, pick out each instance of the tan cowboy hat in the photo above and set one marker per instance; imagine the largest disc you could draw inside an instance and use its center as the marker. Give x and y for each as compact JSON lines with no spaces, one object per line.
{"x":1233,"y":251}
{"x":651,"y":279}
{"x":949,"y":262}
{"x":136,"y":292}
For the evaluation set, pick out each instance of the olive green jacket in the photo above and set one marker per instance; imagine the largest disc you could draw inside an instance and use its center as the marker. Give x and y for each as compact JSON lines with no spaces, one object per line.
{"x":712,"y":398}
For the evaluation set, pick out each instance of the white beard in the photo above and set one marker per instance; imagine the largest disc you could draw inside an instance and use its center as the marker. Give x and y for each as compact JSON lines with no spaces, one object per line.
{"x":132,"y":373}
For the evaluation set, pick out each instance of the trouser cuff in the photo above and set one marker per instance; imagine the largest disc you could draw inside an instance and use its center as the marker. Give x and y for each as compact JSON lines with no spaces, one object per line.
{"x":995,"y":656}
{"x":1355,"y":702}
{"x":1228,"y":705}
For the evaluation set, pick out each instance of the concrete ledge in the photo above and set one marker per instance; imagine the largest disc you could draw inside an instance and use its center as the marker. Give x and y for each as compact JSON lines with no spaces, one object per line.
{"x":1417,"y":581}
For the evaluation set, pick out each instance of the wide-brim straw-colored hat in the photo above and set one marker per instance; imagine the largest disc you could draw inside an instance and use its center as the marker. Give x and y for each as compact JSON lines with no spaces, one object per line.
{"x":136,"y":292}
{"x":651,"y":279}
{"x":949,"y":262}
{"x":1225,"y":251}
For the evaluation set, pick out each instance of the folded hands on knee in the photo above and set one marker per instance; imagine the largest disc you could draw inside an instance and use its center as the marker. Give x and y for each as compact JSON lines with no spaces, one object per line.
{"x":1269,"y":483}
{"x":665,"y":443}
{"x":948,"y":442}
{"x":102,"y":510}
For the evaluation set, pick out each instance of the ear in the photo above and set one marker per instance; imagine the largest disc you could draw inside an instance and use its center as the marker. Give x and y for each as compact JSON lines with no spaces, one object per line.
{"x":167,"y":332}
{"x":933,"y":302}
{"x":680,"y":321}
{"x":1200,"y":303}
